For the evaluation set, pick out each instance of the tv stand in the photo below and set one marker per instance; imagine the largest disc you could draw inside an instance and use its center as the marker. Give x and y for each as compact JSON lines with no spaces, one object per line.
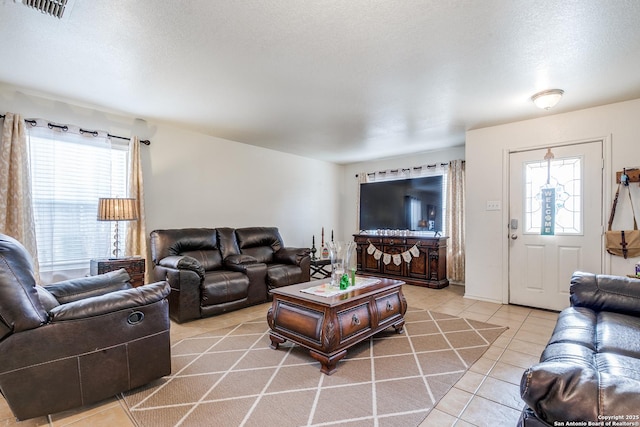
{"x":428,"y":269}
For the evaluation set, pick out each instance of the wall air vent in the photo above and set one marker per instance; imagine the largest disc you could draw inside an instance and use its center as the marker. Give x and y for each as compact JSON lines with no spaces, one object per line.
{"x":50,"y":7}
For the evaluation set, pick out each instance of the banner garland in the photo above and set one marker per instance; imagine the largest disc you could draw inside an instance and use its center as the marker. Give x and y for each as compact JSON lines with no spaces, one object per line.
{"x":397,"y":259}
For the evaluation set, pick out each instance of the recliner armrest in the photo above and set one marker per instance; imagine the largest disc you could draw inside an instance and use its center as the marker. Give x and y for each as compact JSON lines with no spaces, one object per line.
{"x":291,"y":255}
{"x":183,"y":262}
{"x":572,"y":390}
{"x":601,"y":292}
{"x":89,"y":286}
{"x":108,"y":303}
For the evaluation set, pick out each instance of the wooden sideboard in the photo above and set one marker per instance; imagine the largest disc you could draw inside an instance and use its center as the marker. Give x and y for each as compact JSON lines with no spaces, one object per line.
{"x":134,"y":266}
{"x":428,"y":269}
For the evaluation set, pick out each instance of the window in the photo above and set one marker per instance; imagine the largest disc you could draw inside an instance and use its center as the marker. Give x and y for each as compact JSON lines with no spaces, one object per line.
{"x":70,"y":172}
{"x":564,"y":176}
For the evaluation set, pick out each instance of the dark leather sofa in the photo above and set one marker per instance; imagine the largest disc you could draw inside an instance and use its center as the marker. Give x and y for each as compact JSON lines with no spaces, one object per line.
{"x":216,"y":270}
{"x":79,"y":341}
{"x":589,"y":371}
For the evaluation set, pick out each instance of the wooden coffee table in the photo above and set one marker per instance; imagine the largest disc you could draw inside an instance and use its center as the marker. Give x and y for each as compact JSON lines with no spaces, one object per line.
{"x":328,"y":326}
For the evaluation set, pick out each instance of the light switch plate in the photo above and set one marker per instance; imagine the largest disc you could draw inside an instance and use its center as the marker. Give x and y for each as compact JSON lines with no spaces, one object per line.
{"x":493,"y":205}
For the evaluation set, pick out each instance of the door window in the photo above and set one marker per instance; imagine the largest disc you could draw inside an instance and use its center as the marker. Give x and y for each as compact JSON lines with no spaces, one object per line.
{"x":565,"y":177}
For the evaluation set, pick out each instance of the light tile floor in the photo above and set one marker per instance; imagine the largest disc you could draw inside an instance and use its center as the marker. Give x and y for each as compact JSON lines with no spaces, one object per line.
{"x":487,"y":395}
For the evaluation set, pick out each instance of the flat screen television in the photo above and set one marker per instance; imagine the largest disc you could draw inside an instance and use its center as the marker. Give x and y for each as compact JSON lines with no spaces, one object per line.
{"x":407,"y":204}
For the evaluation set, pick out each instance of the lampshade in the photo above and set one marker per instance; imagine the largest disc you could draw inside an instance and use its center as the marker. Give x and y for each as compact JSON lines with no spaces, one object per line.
{"x":116,"y":209}
{"x":547,"y":98}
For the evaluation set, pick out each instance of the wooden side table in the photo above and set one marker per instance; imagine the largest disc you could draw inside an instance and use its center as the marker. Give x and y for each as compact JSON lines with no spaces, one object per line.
{"x":318,"y":270}
{"x":134,"y":266}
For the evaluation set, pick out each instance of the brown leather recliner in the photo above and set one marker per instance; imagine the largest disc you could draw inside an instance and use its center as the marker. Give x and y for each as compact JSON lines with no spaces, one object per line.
{"x":216,"y":270}
{"x":589,"y":372}
{"x":79,"y":341}
{"x":203,"y":283}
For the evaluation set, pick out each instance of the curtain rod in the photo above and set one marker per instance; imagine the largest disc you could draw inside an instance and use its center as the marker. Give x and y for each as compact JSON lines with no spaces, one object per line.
{"x":64,"y":128}
{"x":408,"y":169}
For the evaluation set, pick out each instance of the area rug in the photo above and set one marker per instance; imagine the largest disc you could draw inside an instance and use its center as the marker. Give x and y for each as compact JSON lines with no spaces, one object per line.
{"x":231,"y":377}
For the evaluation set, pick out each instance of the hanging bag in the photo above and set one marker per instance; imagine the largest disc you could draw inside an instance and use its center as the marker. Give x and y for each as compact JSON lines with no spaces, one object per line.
{"x":624,"y":243}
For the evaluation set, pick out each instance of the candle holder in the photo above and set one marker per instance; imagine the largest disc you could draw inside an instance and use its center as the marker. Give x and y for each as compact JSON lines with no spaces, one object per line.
{"x":313,"y":248}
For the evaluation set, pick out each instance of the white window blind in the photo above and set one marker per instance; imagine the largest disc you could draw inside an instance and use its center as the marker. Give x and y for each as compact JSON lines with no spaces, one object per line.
{"x":70,"y":172}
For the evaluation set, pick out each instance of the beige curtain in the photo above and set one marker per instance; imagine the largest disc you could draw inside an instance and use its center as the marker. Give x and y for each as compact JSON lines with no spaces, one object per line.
{"x":136,"y":243}
{"x":455,"y":221}
{"x":16,"y":210}
{"x":362,"y":179}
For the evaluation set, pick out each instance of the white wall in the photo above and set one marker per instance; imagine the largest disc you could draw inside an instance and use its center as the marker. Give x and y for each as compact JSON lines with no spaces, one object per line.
{"x":196,"y":180}
{"x":200,"y":181}
{"x":486,"y":242}
{"x":349,"y":194}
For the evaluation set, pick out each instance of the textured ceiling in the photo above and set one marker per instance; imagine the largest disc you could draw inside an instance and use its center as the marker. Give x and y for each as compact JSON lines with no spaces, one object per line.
{"x":341,"y":80}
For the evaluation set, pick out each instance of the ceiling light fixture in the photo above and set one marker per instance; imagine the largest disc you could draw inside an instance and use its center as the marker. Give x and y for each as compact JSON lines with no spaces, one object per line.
{"x":547,"y":98}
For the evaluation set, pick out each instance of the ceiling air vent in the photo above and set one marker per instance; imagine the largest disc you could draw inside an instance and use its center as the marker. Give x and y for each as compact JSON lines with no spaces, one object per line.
{"x":49,"y":7}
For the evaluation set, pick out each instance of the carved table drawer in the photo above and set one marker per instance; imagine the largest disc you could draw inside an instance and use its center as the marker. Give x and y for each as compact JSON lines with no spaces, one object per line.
{"x":354,"y":320}
{"x":388,"y":307}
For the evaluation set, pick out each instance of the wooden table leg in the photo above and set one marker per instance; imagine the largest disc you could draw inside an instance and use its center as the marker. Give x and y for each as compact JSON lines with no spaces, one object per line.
{"x":328,"y":363}
{"x":275,"y":341}
{"x":399,"y":327}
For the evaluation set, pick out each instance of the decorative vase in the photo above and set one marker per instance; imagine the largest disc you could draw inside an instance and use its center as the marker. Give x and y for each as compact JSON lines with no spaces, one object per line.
{"x":342,"y":263}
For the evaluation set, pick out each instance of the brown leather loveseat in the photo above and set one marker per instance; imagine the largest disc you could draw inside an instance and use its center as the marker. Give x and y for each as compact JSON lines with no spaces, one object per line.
{"x":79,"y":341}
{"x":589,"y":372}
{"x":216,"y":270}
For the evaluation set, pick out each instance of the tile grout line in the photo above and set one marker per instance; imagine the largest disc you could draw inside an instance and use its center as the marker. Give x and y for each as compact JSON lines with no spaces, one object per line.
{"x":264,"y":389}
{"x":493,"y":365}
{"x":415,"y":358}
{"x":193,"y":408}
{"x":312,"y":410}
{"x":374,"y":396}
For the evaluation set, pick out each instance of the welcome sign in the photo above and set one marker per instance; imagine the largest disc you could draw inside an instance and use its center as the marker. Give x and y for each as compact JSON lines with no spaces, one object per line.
{"x":548,"y":211}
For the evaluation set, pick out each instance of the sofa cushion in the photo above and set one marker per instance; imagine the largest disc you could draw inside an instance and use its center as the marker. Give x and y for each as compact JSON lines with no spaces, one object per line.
{"x":618,"y":334}
{"x":575,"y":325}
{"x":259,"y":242}
{"x":617,"y":365}
{"x":262,"y":254}
{"x":596,"y":332}
{"x":198,"y":243}
{"x":224,"y":286}
{"x":209,"y":259}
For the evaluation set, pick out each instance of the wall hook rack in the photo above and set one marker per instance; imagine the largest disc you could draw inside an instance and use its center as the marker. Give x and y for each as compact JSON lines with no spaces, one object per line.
{"x":632,"y":173}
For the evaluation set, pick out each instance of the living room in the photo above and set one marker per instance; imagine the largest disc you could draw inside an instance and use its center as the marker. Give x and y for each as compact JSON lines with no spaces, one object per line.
{"x":194,"y":178}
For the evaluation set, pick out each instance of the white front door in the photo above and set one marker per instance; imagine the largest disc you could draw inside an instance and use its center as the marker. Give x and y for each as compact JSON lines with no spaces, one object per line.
{"x":556,"y":224}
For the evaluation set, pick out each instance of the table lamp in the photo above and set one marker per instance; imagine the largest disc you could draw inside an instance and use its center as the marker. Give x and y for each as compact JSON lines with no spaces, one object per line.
{"x":117,"y":209}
